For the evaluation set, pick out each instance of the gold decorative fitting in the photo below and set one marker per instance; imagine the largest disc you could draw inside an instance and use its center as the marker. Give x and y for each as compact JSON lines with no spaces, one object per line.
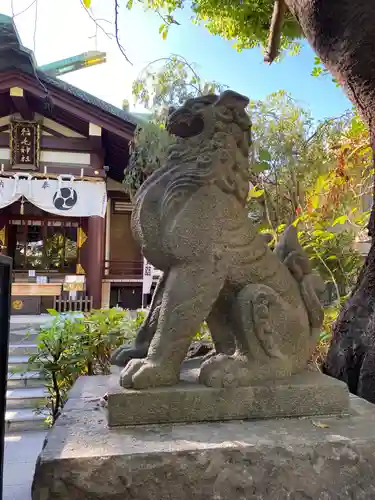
{"x":81,"y":237}
{"x":79,"y":269}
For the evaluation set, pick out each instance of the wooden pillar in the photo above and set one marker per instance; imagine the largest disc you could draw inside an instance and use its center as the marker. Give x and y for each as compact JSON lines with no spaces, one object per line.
{"x":95,"y":258}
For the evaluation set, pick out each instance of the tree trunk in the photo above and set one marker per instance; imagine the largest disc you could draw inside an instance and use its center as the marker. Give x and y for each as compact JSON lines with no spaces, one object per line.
{"x":342,"y":34}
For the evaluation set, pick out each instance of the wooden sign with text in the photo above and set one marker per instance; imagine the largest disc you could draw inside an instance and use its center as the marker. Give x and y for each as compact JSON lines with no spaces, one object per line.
{"x":25,"y":144}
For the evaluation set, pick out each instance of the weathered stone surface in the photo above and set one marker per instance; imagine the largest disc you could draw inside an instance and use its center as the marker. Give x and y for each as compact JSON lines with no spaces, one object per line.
{"x":287,"y":459}
{"x":191,"y":221}
{"x":308,"y":393}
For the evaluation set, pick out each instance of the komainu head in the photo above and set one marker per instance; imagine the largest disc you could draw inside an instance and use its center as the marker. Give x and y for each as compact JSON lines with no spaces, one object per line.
{"x":213,"y":138}
{"x":200,"y":115}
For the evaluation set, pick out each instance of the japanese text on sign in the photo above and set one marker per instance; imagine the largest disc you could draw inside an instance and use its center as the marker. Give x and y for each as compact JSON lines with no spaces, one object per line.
{"x":148,"y":270}
{"x":24,"y":143}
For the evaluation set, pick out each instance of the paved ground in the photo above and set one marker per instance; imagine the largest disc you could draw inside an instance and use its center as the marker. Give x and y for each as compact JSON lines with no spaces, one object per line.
{"x":21,"y":448}
{"x":29,"y":319}
{"x":21,"y":453}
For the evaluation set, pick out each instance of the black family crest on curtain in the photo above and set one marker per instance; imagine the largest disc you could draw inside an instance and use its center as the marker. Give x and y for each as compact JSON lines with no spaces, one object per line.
{"x":65,"y":198}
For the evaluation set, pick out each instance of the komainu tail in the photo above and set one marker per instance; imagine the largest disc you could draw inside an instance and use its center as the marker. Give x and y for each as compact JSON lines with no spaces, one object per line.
{"x":311,"y":285}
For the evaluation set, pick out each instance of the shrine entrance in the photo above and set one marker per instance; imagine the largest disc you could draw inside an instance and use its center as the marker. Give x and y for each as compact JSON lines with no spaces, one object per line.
{"x":45,"y":250}
{"x":39,"y":241}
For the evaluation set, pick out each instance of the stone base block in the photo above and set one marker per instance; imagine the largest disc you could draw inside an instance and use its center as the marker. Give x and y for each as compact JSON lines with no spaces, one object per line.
{"x":319,"y":458}
{"x":308,"y":393}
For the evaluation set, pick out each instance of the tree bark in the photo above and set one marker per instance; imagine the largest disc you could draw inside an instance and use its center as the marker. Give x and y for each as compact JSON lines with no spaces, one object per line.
{"x":342,"y":34}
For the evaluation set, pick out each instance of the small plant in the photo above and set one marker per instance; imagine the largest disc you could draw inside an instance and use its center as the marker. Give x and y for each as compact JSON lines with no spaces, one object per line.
{"x":321,"y":350}
{"x":71,"y":346}
{"x":103,"y":331}
{"x":58,"y":361}
{"x":203,"y":335}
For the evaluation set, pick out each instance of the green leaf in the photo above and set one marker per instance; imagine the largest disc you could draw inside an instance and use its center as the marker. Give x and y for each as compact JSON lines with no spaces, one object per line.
{"x":340,"y":220}
{"x":315,"y":201}
{"x":165,"y":34}
{"x":281,"y":228}
{"x":87,"y":3}
{"x":161,"y":28}
{"x":316,"y":72}
{"x":264,"y":155}
{"x":53,"y":312}
{"x":328,"y":236}
{"x":259,"y":167}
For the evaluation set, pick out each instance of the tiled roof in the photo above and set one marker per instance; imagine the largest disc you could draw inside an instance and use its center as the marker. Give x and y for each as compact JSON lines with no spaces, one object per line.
{"x":13,"y":56}
{"x":88,"y":98}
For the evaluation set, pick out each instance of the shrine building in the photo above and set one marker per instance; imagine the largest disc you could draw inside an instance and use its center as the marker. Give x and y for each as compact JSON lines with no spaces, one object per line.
{"x":64,"y":215}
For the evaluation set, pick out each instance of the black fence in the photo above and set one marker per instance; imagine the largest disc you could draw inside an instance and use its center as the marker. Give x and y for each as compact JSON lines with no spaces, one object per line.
{"x":5,"y":293}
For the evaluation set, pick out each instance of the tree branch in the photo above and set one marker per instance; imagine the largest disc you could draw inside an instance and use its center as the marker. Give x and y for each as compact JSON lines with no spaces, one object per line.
{"x":35,"y":25}
{"x":169,"y":20}
{"x":111,"y":36}
{"x":22,"y":11}
{"x":275,"y":31}
{"x":117,"y":36}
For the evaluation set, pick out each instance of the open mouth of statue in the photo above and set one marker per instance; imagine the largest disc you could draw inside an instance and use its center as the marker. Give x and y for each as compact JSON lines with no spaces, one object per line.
{"x":184,"y":124}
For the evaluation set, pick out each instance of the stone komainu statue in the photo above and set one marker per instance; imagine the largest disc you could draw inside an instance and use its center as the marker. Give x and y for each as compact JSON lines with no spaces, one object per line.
{"x":262,"y":307}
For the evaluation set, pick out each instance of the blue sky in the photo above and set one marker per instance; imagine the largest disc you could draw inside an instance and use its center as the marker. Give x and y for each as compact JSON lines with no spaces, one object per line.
{"x":64,"y":29}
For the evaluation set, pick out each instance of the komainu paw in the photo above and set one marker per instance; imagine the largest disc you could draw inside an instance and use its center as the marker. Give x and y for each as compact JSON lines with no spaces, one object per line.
{"x":226,"y":371}
{"x":143,"y":373}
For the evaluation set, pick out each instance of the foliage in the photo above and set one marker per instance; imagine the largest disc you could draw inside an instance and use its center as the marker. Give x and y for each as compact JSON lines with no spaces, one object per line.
{"x":148,"y":151}
{"x":246,"y":22}
{"x":289,"y":151}
{"x":55,"y":360}
{"x":163,"y":84}
{"x":324,"y":340}
{"x":332,"y":254}
{"x":100,"y":332}
{"x":326,"y":201}
{"x":203,"y":334}
{"x":318,"y":177}
{"x":169,"y":82}
{"x":70,"y":346}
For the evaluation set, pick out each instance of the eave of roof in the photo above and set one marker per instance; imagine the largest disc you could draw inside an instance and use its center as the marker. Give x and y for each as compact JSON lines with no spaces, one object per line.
{"x":88,"y":98}
{"x":13,"y":56}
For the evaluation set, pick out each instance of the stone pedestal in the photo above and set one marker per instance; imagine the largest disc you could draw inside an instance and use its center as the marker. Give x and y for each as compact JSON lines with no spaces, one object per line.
{"x":308,"y":393}
{"x":315,"y":458}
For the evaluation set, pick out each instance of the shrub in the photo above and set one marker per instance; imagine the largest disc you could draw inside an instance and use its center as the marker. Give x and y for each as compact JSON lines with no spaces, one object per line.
{"x":74,"y":345}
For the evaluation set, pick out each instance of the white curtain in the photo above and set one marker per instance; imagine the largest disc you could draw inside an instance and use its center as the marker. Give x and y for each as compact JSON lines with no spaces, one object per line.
{"x":62,"y":196}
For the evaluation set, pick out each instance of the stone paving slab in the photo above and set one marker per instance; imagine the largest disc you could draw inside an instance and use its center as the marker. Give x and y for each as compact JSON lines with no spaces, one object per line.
{"x":21,"y":453}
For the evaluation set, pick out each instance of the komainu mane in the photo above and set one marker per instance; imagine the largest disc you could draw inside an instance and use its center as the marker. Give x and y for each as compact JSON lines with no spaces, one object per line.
{"x":262,"y":307}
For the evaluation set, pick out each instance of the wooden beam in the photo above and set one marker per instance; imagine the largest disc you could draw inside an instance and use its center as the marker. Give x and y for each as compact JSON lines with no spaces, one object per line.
{"x":58,"y":169}
{"x":4,"y":140}
{"x":65,"y":144}
{"x":95,"y":133}
{"x":96,"y":162}
{"x":71,"y":104}
{"x":72,"y":144}
{"x":97,"y":154}
{"x":20,"y":102}
{"x":52,"y":132}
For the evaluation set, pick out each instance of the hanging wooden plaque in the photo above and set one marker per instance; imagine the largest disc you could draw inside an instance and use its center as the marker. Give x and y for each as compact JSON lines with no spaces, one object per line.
{"x":25,"y":144}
